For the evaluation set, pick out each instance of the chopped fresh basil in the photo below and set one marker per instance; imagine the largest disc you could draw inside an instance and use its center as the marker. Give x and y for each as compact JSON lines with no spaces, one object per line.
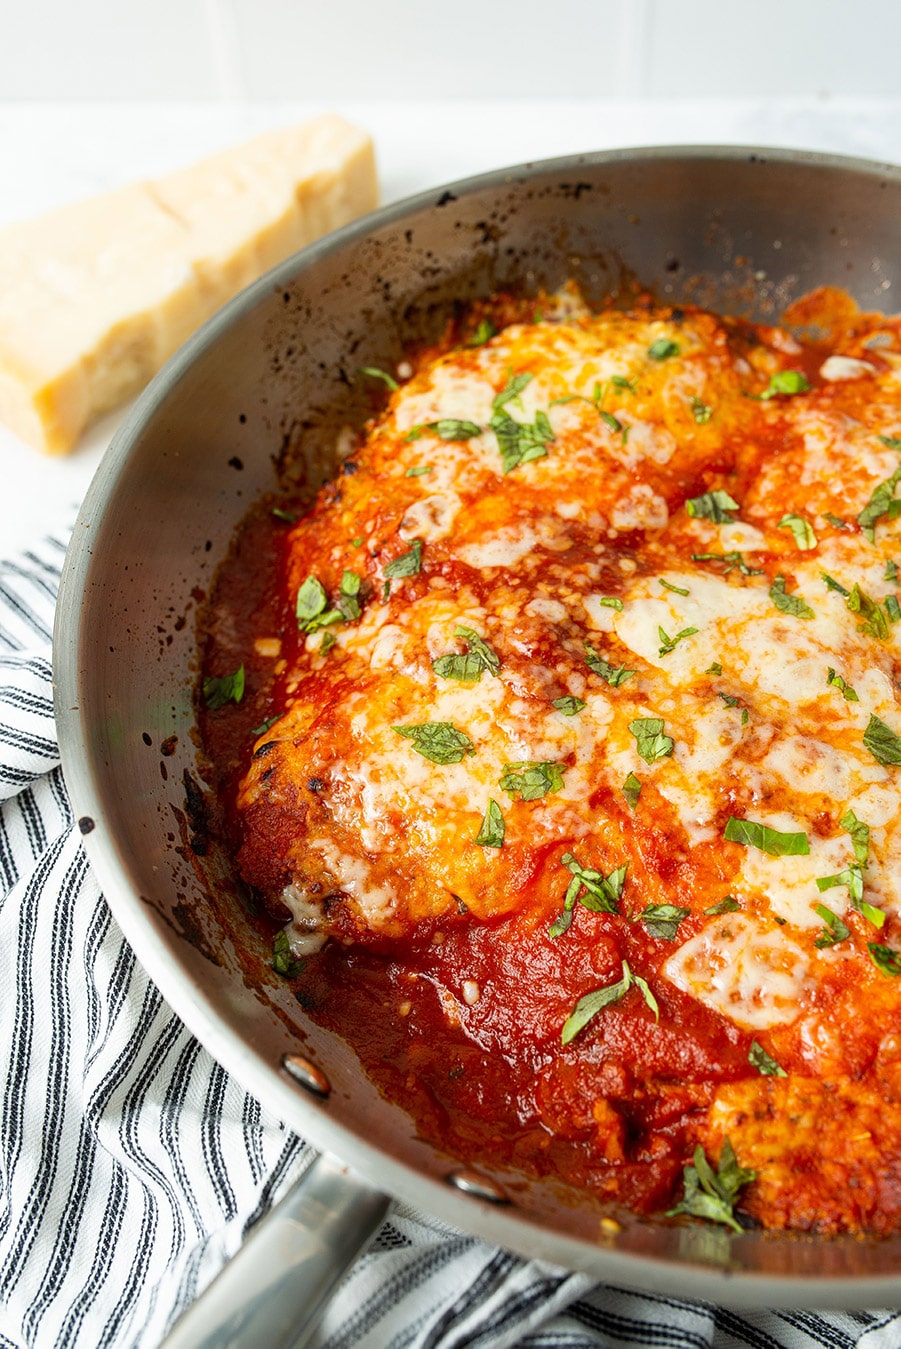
{"x":713,"y":1195}
{"x":763,"y":1062}
{"x":602,"y":892}
{"x":521,"y":442}
{"x":882,"y":503}
{"x":701,"y":411}
{"x":731,"y":560}
{"x":611,"y":602}
{"x":620,"y":382}
{"x":885,"y":959}
{"x":569,"y":705}
{"x":448,"y":428}
{"x":669,"y":644}
{"x":882,"y":742}
{"x":374,"y":373}
{"x":264,"y":725}
{"x":348,"y":595}
{"x":729,"y":699}
{"x":892,"y":608}
{"x":852,"y":877}
{"x":609,"y":420}
{"x":789,"y":604}
{"x":662,"y":920}
{"x":891,"y":572}
{"x":438,"y":741}
{"x":668,"y":585}
{"x":860,"y":835}
{"x":407,"y":564}
{"x":771,"y":841}
{"x":728,"y":904}
{"x":287,"y":517}
{"x":531,"y":780}
{"x":483,"y":333}
{"x":512,"y":389}
{"x":663,"y":349}
{"x":834,"y":929}
{"x":588,"y":1006}
{"x":419,"y":471}
{"x":491,"y":834}
{"x":890,"y":442}
{"x":714,"y":669}
{"x":468,"y":667}
{"x":311,"y":602}
{"x":357,"y":542}
{"x":716,"y":506}
{"x":283,"y":961}
{"x":835,"y":520}
{"x":599,"y":666}
{"x":328,"y":641}
{"x":804,"y":535}
{"x":225,"y":689}
{"x":632,"y":790}
{"x":844,"y":688}
{"x":562,"y":923}
{"x":834,"y":585}
{"x":650,"y":740}
{"x":874,"y":620}
{"x":784,"y":384}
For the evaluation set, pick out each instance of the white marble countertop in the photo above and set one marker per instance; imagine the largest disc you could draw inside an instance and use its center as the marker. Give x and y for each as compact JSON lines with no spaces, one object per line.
{"x":52,"y":153}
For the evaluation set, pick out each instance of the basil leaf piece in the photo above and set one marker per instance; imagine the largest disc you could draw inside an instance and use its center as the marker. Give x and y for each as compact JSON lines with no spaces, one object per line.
{"x":852,"y":877}
{"x":860,"y":835}
{"x":731,"y":560}
{"x":882,"y":742}
{"x":602,"y":892}
{"x":561,"y":924}
{"x":311,"y":602}
{"x":700,"y":410}
{"x":891,"y":572}
{"x":713,"y":1195}
{"x":531,"y":780}
{"x":599,"y":666}
{"x":770,"y":841}
{"x":287,"y":517}
{"x":521,"y":442}
{"x":225,"y":689}
{"x":714,"y":669}
{"x":845,"y":689}
{"x":892,"y":608}
{"x":468,"y":667}
{"x":662,"y":920}
{"x":650,"y":740}
{"x":670,"y":643}
{"x":663,"y":349}
{"x":408,"y":564}
{"x":716,"y":506}
{"x":569,"y":705}
{"x":448,"y":428}
{"x":348,"y":595}
{"x":588,"y":1006}
{"x":728,"y":904}
{"x":437,"y":741}
{"x":890,"y":442}
{"x":264,"y":725}
{"x":283,"y":961}
{"x":328,"y":641}
{"x":834,"y":931}
{"x":512,"y":389}
{"x":802,"y":530}
{"x":784,"y":384}
{"x":418,"y":471}
{"x":491,"y":834}
{"x":885,"y":959}
{"x":789,"y":604}
{"x":834,"y":585}
{"x":668,"y":585}
{"x":632,"y":790}
{"x":835,"y":520}
{"x":483,"y":333}
{"x":374,"y":373}
{"x":641,"y":985}
{"x":761,"y":1060}
{"x":874,"y":620}
{"x":881,"y":503}
{"x":611,"y":602}
{"x":620,"y":382}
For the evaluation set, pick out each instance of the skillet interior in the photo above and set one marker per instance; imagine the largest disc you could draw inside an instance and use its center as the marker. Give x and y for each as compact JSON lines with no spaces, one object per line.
{"x":263,"y":388}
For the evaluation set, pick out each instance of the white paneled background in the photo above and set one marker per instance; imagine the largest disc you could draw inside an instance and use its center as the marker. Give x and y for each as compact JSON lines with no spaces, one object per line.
{"x":413,"y":49}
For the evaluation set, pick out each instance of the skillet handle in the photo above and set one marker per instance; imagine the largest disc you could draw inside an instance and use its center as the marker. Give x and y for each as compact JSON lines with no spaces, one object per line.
{"x":273,"y":1291}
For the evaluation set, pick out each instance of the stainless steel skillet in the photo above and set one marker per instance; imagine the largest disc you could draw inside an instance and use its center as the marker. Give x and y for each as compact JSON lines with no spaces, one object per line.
{"x":264,"y":388}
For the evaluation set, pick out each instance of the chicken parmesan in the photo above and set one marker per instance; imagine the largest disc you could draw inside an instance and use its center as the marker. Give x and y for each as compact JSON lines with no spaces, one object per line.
{"x":560,"y":744}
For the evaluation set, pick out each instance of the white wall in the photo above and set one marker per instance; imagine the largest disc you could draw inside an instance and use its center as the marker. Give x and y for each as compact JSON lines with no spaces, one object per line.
{"x":332,"y":50}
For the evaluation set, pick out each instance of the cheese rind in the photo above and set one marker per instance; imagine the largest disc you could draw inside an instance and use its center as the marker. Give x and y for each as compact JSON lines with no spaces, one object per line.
{"x":96,"y":296}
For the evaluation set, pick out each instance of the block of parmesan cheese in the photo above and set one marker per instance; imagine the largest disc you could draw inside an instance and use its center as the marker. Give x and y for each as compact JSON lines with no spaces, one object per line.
{"x":95,"y":296}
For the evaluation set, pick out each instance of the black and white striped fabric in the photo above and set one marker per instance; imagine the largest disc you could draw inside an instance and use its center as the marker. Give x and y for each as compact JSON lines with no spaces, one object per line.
{"x":132,"y":1165}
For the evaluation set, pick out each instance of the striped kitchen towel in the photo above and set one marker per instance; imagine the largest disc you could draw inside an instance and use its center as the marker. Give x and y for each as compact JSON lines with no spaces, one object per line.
{"x":132,"y":1164}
